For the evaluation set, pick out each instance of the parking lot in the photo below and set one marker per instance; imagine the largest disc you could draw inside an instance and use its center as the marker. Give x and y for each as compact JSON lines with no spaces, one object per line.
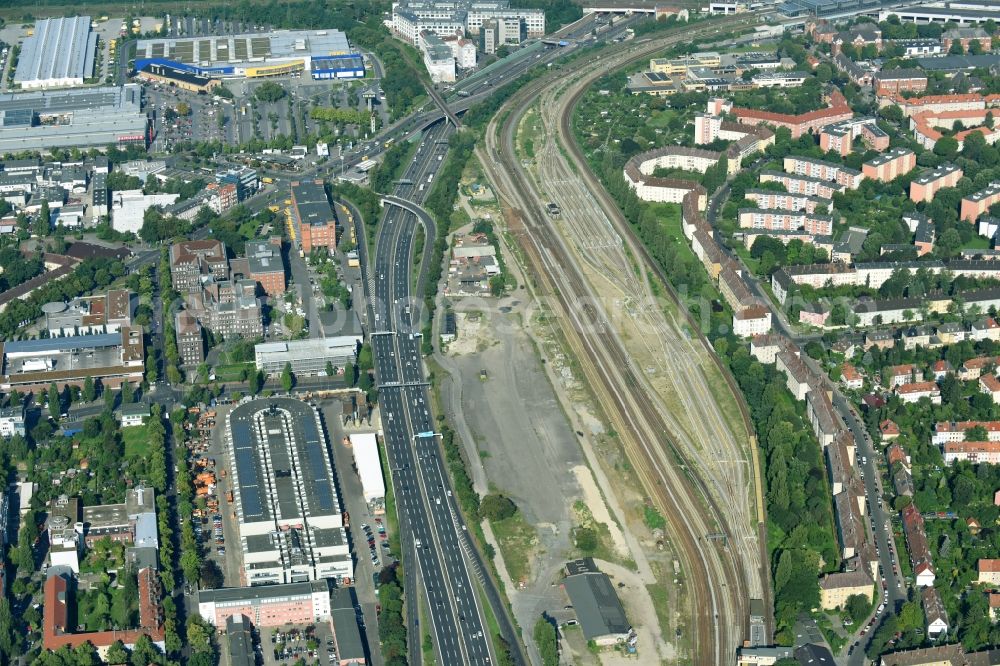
{"x":284,"y":645}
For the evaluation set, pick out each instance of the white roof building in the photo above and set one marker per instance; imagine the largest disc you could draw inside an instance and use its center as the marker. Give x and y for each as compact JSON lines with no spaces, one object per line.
{"x":128,"y":208}
{"x":366,"y":458}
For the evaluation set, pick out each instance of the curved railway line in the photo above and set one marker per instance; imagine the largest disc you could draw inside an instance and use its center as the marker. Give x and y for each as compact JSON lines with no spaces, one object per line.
{"x":719,"y":586}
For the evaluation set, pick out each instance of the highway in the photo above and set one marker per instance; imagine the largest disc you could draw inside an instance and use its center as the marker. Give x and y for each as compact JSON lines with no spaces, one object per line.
{"x":432,"y":523}
{"x":721,"y":578}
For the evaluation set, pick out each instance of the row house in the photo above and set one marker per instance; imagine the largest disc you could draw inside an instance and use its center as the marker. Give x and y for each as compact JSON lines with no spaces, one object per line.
{"x":786,"y":237}
{"x":892,"y":81}
{"x":708,"y":252}
{"x":765,"y":347}
{"x":934,"y":612}
{"x":784,"y":220}
{"x":973,"y":452}
{"x":891,"y":165}
{"x":663,"y":190}
{"x":814,"y":314}
{"x":980,"y":202}
{"x":916,"y":543}
{"x":913,"y":392}
{"x":870,"y":312}
{"x":850,"y":528}
{"x":954,"y":431}
{"x":966,"y":37}
{"x":803,"y":185}
{"x":926,"y":185}
{"x":825,"y":422}
{"x":800,"y":124}
{"x":786,"y":201}
{"x":936,"y":103}
{"x":919,"y":47}
{"x":807,"y":166}
{"x":796,"y":373}
{"x":926,"y":126}
{"x":751,"y":321}
{"x":839,"y":467}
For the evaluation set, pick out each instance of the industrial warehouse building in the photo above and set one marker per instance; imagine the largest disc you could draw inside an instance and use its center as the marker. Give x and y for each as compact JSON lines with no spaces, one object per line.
{"x":72,"y":118}
{"x":59,"y":54}
{"x":290,"y":522}
{"x":324,"y":54}
{"x":307,"y":357}
{"x":597,"y":606}
{"x":113,"y":358}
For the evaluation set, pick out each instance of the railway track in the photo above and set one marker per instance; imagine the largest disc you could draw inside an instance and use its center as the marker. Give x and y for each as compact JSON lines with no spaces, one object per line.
{"x":718,"y":585}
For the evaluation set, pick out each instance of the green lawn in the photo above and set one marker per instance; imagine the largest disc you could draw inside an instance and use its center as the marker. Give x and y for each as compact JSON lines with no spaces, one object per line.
{"x":516,"y":538}
{"x":977,"y":242}
{"x":136,"y":441}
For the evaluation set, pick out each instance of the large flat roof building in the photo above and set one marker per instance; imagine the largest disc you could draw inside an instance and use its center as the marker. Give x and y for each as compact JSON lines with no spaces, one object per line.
{"x":446,"y":17}
{"x":59,"y":54}
{"x":307,"y":357}
{"x":113,"y":358}
{"x":325,"y":54}
{"x":267,"y":606}
{"x":72,"y":118}
{"x":290,"y":521}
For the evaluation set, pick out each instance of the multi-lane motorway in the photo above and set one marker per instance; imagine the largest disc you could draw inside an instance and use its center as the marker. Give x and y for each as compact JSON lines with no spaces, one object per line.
{"x":434,"y":532}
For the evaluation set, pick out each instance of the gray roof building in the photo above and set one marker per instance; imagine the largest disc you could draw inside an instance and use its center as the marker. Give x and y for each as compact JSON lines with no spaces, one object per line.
{"x":59,"y":54}
{"x":597,"y":605}
{"x":72,"y":118}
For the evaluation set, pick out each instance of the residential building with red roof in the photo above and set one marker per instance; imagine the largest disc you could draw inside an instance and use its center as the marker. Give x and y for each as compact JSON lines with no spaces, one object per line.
{"x":989,"y":571}
{"x":57,"y":632}
{"x":990,"y":385}
{"x":837,"y":110}
{"x":850,"y":376}
{"x":973,"y":452}
{"x":889,"y":430}
{"x":954,"y":431}
{"x":916,"y":543}
{"x":913,"y":392}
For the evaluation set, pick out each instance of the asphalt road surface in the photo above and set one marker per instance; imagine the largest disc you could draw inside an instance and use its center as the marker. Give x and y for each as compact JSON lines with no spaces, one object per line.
{"x":425,"y":501}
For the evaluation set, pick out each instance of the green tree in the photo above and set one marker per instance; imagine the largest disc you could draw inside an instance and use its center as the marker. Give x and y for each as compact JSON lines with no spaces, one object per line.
{"x":256,"y":380}
{"x":858,"y":606}
{"x":496,"y":507}
{"x":269,"y":91}
{"x":547,"y":641}
{"x":117,"y":654}
{"x":55,"y":409}
{"x":330,"y":372}
{"x":89,"y":391}
{"x":976,"y":433}
{"x":585,"y":538}
{"x":43,"y":221}
{"x":946,"y":147}
{"x":287,"y":378}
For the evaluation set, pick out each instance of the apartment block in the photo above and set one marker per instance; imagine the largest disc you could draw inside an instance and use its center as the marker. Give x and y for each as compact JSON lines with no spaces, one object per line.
{"x":806,"y":185}
{"x":926,"y":185}
{"x":807,"y":166}
{"x":839,"y":137}
{"x":979,"y":203}
{"x":891,"y":165}
{"x":784,"y":220}
{"x":786,"y":201}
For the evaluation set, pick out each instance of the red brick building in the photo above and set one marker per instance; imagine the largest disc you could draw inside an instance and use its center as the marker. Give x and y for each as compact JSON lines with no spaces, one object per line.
{"x":892,"y":81}
{"x":313,"y":220}
{"x":57,"y":633}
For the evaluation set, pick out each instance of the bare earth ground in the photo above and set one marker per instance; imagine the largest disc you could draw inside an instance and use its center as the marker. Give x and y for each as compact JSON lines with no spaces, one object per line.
{"x":521,"y":443}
